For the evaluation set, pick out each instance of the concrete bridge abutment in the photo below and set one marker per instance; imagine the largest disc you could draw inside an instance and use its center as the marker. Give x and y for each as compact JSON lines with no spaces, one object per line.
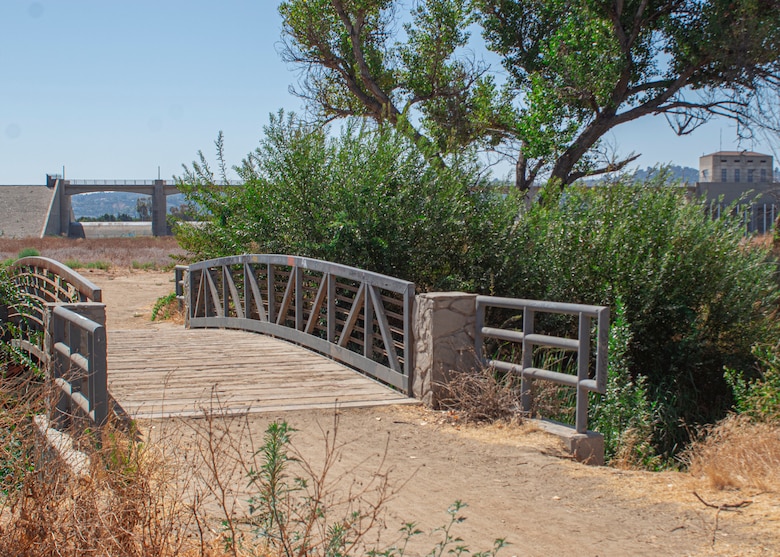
{"x":60,"y":215}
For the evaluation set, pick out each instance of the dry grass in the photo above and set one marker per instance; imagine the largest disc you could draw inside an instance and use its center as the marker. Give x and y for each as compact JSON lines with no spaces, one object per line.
{"x":738,"y":453}
{"x":479,"y":396}
{"x":126,"y":506}
{"x":146,"y":252}
{"x":175,"y":490}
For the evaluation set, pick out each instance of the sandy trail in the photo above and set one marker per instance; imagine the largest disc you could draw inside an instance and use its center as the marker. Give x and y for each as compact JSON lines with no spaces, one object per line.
{"x":516,"y":482}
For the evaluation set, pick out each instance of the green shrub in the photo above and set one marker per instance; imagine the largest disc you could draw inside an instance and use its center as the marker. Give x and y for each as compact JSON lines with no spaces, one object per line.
{"x":696,"y":295}
{"x":624,"y":415}
{"x":75,"y":264}
{"x":145,"y":266}
{"x":165,"y":307}
{"x":365,"y":198}
{"x":758,"y":396}
{"x":28,"y":252}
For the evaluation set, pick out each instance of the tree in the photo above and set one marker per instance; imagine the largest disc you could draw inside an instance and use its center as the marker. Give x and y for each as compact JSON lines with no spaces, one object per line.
{"x":352,"y":67}
{"x":577,"y":69}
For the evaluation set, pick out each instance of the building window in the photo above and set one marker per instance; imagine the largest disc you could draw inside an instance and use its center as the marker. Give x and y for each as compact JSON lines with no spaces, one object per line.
{"x":703,"y":175}
{"x":763,"y":174}
{"x":750,"y":175}
{"x":724,"y":175}
{"x":736,"y":174}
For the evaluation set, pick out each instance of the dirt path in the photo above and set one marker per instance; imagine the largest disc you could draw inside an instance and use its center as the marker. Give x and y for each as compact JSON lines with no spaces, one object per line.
{"x":130,"y":295}
{"x":517,"y":483}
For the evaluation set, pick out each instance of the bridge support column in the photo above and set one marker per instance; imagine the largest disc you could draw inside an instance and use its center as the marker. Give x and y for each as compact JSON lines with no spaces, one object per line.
{"x":66,"y":211}
{"x":159,"y":209}
{"x":443,"y":325}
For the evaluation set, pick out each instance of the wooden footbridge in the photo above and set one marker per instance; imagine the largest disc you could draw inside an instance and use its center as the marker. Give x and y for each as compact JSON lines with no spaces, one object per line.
{"x":313,"y":314}
{"x":331,"y":335}
{"x":235,"y":371}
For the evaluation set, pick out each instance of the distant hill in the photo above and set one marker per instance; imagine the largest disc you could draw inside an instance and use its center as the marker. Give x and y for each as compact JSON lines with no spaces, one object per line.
{"x":684,"y":174}
{"x":113,"y":203}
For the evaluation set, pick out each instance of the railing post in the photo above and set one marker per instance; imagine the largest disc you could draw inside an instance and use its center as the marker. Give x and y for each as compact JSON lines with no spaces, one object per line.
{"x":191,"y":294}
{"x":298,"y":297}
{"x":583,"y":355}
{"x":602,"y":350}
{"x":409,"y":352}
{"x":60,"y":409}
{"x":526,"y":383}
{"x":479,"y":340}
{"x":225,"y":292}
{"x":271,"y":280}
{"x":331,"y":308}
{"x":98,"y":377}
{"x":368,"y":326}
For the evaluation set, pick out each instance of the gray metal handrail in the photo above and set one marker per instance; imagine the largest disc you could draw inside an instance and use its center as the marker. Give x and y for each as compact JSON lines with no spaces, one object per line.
{"x":74,"y":354}
{"x":111,"y":182}
{"x":78,"y":365}
{"x":529,"y":339}
{"x":357,"y":317}
{"x":179,"y":273}
{"x":45,"y":281}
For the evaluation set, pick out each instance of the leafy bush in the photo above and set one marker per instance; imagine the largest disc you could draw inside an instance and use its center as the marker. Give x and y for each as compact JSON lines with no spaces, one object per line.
{"x":366,"y":198}
{"x":759,"y":396}
{"x":696,"y":295}
{"x":166,"y":307}
{"x":75,"y":264}
{"x":624,"y":415}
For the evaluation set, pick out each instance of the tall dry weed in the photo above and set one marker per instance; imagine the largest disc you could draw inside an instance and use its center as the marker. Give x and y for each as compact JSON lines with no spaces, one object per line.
{"x":738,"y":453}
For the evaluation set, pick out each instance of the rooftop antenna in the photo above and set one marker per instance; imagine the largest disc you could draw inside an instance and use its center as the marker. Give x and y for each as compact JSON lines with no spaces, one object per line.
{"x":158,"y":171}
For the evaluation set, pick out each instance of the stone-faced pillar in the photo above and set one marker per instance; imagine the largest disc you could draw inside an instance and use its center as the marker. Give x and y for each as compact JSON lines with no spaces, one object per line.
{"x":443,"y":328}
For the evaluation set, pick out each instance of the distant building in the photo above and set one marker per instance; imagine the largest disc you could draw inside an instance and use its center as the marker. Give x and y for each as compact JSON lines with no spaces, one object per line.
{"x":746,"y":177}
{"x":736,"y":174}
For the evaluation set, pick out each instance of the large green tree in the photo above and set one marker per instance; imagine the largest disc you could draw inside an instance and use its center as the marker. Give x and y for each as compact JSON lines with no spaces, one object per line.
{"x":576,"y":70}
{"x":354,"y":65}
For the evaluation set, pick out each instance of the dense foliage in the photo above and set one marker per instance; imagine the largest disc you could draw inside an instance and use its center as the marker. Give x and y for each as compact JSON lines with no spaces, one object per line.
{"x":695,"y":296}
{"x":365,"y":198}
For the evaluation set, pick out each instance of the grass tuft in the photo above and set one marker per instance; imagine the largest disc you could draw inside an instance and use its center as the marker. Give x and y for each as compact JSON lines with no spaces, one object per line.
{"x":485,"y":395}
{"x":738,"y":453}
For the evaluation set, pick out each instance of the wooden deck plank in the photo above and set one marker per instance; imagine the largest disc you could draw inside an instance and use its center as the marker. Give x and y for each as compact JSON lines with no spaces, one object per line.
{"x":179,"y":372}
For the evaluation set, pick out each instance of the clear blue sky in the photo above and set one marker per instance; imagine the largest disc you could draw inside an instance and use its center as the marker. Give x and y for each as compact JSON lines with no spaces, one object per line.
{"x":114,"y":89}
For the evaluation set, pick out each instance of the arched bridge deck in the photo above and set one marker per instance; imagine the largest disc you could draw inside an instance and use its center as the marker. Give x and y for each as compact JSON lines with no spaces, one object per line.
{"x":173,"y":371}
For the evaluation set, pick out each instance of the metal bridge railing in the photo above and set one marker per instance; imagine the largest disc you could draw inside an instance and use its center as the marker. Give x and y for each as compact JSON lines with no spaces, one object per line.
{"x":69,"y":345}
{"x":111,"y":182}
{"x":78,"y":365}
{"x":45,"y":281}
{"x":584,"y":381}
{"x":360,"y":318}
